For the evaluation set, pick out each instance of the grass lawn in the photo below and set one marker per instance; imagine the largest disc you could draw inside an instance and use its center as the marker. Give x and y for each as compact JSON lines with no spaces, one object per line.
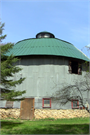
{"x":45,"y":126}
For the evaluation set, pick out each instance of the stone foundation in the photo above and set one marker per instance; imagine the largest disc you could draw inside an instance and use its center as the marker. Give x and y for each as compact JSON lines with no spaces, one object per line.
{"x":45,"y":113}
{"x":9,"y":113}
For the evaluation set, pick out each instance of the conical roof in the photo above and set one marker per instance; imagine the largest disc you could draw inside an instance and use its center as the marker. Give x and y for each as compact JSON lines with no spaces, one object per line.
{"x":47,"y":46}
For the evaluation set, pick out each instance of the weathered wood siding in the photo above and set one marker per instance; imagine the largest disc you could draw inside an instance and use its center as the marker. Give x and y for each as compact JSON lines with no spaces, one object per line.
{"x":42,"y":74}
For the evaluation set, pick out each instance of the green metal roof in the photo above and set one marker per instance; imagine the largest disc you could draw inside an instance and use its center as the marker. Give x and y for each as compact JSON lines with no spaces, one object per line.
{"x":46,"y":46}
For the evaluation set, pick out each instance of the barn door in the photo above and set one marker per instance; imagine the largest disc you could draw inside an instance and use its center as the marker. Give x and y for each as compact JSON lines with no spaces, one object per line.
{"x":27,"y":108}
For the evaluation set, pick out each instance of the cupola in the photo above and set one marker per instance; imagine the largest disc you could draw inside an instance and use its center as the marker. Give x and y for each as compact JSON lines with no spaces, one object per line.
{"x":45,"y":34}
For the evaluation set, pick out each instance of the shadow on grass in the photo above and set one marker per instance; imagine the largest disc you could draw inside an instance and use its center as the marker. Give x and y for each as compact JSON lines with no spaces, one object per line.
{"x":9,"y":124}
{"x":62,"y":129}
{"x":50,"y":129}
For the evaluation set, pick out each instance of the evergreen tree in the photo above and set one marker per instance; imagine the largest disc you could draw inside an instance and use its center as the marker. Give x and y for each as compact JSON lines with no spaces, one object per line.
{"x":8,"y":70}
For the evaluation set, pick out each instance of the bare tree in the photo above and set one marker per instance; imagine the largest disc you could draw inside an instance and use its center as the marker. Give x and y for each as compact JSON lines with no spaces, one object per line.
{"x":76,"y":91}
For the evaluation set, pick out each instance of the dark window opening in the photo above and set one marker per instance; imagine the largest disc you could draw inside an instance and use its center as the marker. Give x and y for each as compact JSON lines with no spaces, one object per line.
{"x":75,"y":67}
{"x":46,"y":103}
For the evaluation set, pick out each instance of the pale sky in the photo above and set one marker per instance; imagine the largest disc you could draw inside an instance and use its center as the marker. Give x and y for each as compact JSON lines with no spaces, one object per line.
{"x":68,"y":20}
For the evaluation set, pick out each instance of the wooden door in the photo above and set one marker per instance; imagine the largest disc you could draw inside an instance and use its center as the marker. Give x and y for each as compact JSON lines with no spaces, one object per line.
{"x":27,"y":109}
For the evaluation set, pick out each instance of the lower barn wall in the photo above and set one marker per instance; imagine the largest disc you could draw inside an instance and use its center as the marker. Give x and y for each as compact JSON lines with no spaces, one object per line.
{"x":38,"y":104}
{"x":16,"y":104}
{"x":45,"y":113}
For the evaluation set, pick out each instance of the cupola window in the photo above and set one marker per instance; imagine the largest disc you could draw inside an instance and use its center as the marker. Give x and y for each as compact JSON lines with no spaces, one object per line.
{"x":43,"y":35}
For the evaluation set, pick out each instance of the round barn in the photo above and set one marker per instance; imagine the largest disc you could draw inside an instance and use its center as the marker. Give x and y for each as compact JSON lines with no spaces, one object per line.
{"x":46,"y":61}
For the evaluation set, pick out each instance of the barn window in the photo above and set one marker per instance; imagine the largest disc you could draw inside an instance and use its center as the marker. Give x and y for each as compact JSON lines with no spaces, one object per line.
{"x":46,"y":103}
{"x":75,"y":68}
{"x":9,"y":104}
{"x":74,"y":104}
